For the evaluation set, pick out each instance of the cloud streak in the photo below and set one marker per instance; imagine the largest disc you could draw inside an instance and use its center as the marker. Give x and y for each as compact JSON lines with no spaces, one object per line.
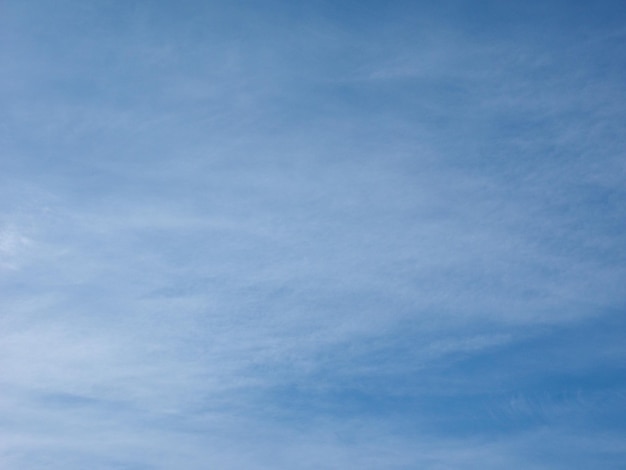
{"x":312,"y":237}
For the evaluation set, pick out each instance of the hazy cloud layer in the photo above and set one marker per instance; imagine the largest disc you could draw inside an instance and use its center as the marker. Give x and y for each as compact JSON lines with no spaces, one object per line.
{"x":312,"y":235}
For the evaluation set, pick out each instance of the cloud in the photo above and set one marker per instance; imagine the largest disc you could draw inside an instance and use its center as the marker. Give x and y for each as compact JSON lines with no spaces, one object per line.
{"x":308,"y":238}
{"x":12,"y":244}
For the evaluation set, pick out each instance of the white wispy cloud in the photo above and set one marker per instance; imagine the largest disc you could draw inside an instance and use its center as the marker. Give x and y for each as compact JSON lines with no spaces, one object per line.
{"x":12,"y":244}
{"x":273,"y":246}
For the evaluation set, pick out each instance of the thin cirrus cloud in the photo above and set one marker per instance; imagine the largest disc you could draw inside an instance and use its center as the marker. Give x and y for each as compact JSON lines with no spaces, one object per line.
{"x":311,"y":236}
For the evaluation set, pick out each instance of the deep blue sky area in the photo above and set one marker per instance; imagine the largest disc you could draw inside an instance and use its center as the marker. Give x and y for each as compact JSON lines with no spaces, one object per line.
{"x":253,"y":235}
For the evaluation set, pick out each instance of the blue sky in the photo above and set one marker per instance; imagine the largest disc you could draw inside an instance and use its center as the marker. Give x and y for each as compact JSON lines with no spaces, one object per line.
{"x":312,"y":235}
